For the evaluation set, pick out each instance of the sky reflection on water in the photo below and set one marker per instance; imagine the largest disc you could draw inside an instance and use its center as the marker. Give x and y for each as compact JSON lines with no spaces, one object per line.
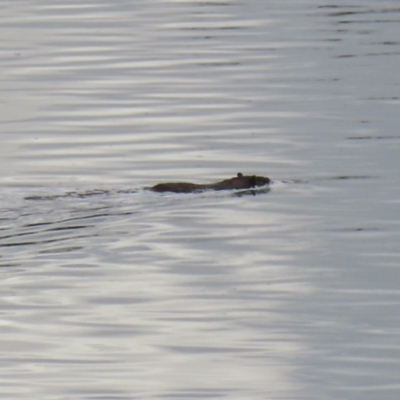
{"x":111,"y":291}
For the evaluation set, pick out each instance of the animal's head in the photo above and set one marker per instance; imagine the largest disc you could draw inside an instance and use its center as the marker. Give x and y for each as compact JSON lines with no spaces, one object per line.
{"x":262,"y":180}
{"x":254,"y":180}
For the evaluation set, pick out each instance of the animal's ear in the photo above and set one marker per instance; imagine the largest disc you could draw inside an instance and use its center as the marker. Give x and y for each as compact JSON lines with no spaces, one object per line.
{"x":240,"y":175}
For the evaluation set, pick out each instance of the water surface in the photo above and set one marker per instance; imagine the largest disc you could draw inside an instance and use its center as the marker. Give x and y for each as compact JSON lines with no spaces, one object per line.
{"x":110,"y":291}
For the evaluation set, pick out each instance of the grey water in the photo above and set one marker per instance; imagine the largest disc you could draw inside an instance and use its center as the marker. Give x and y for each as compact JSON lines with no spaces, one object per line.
{"x":110,"y":291}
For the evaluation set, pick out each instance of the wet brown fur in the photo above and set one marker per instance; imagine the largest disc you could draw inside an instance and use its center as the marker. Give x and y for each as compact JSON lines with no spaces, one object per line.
{"x":238,"y":182}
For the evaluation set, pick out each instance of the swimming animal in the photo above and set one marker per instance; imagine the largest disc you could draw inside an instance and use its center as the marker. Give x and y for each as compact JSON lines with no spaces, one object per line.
{"x":238,"y":182}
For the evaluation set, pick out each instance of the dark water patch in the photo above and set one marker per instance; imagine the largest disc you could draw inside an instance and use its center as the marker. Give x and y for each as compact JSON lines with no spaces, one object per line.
{"x":329,"y":6}
{"x":389,"y":43}
{"x":16,"y":236}
{"x":378,"y":21}
{"x":356,"y":229}
{"x":372,"y":137}
{"x":384,"y":53}
{"x":345,"y":13}
{"x":45,"y":241}
{"x":331,"y":40}
{"x":387,"y":98}
{"x":252,"y":192}
{"x":326,"y":80}
{"x":218,"y":64}
{"x":9,"y":265}
{"x":329,"y":178}
{"x":65,"y":228}
{"x":352,"y":177}
{"x":80,"y":195}
{"x":346,"y":56}
{"x":78,"y":266}
{"x":214,"y":28}
{"x":55,"y":197}
{"x":37,"y":224}
{"x":59,"y":250}
{"x":375,"y":11}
